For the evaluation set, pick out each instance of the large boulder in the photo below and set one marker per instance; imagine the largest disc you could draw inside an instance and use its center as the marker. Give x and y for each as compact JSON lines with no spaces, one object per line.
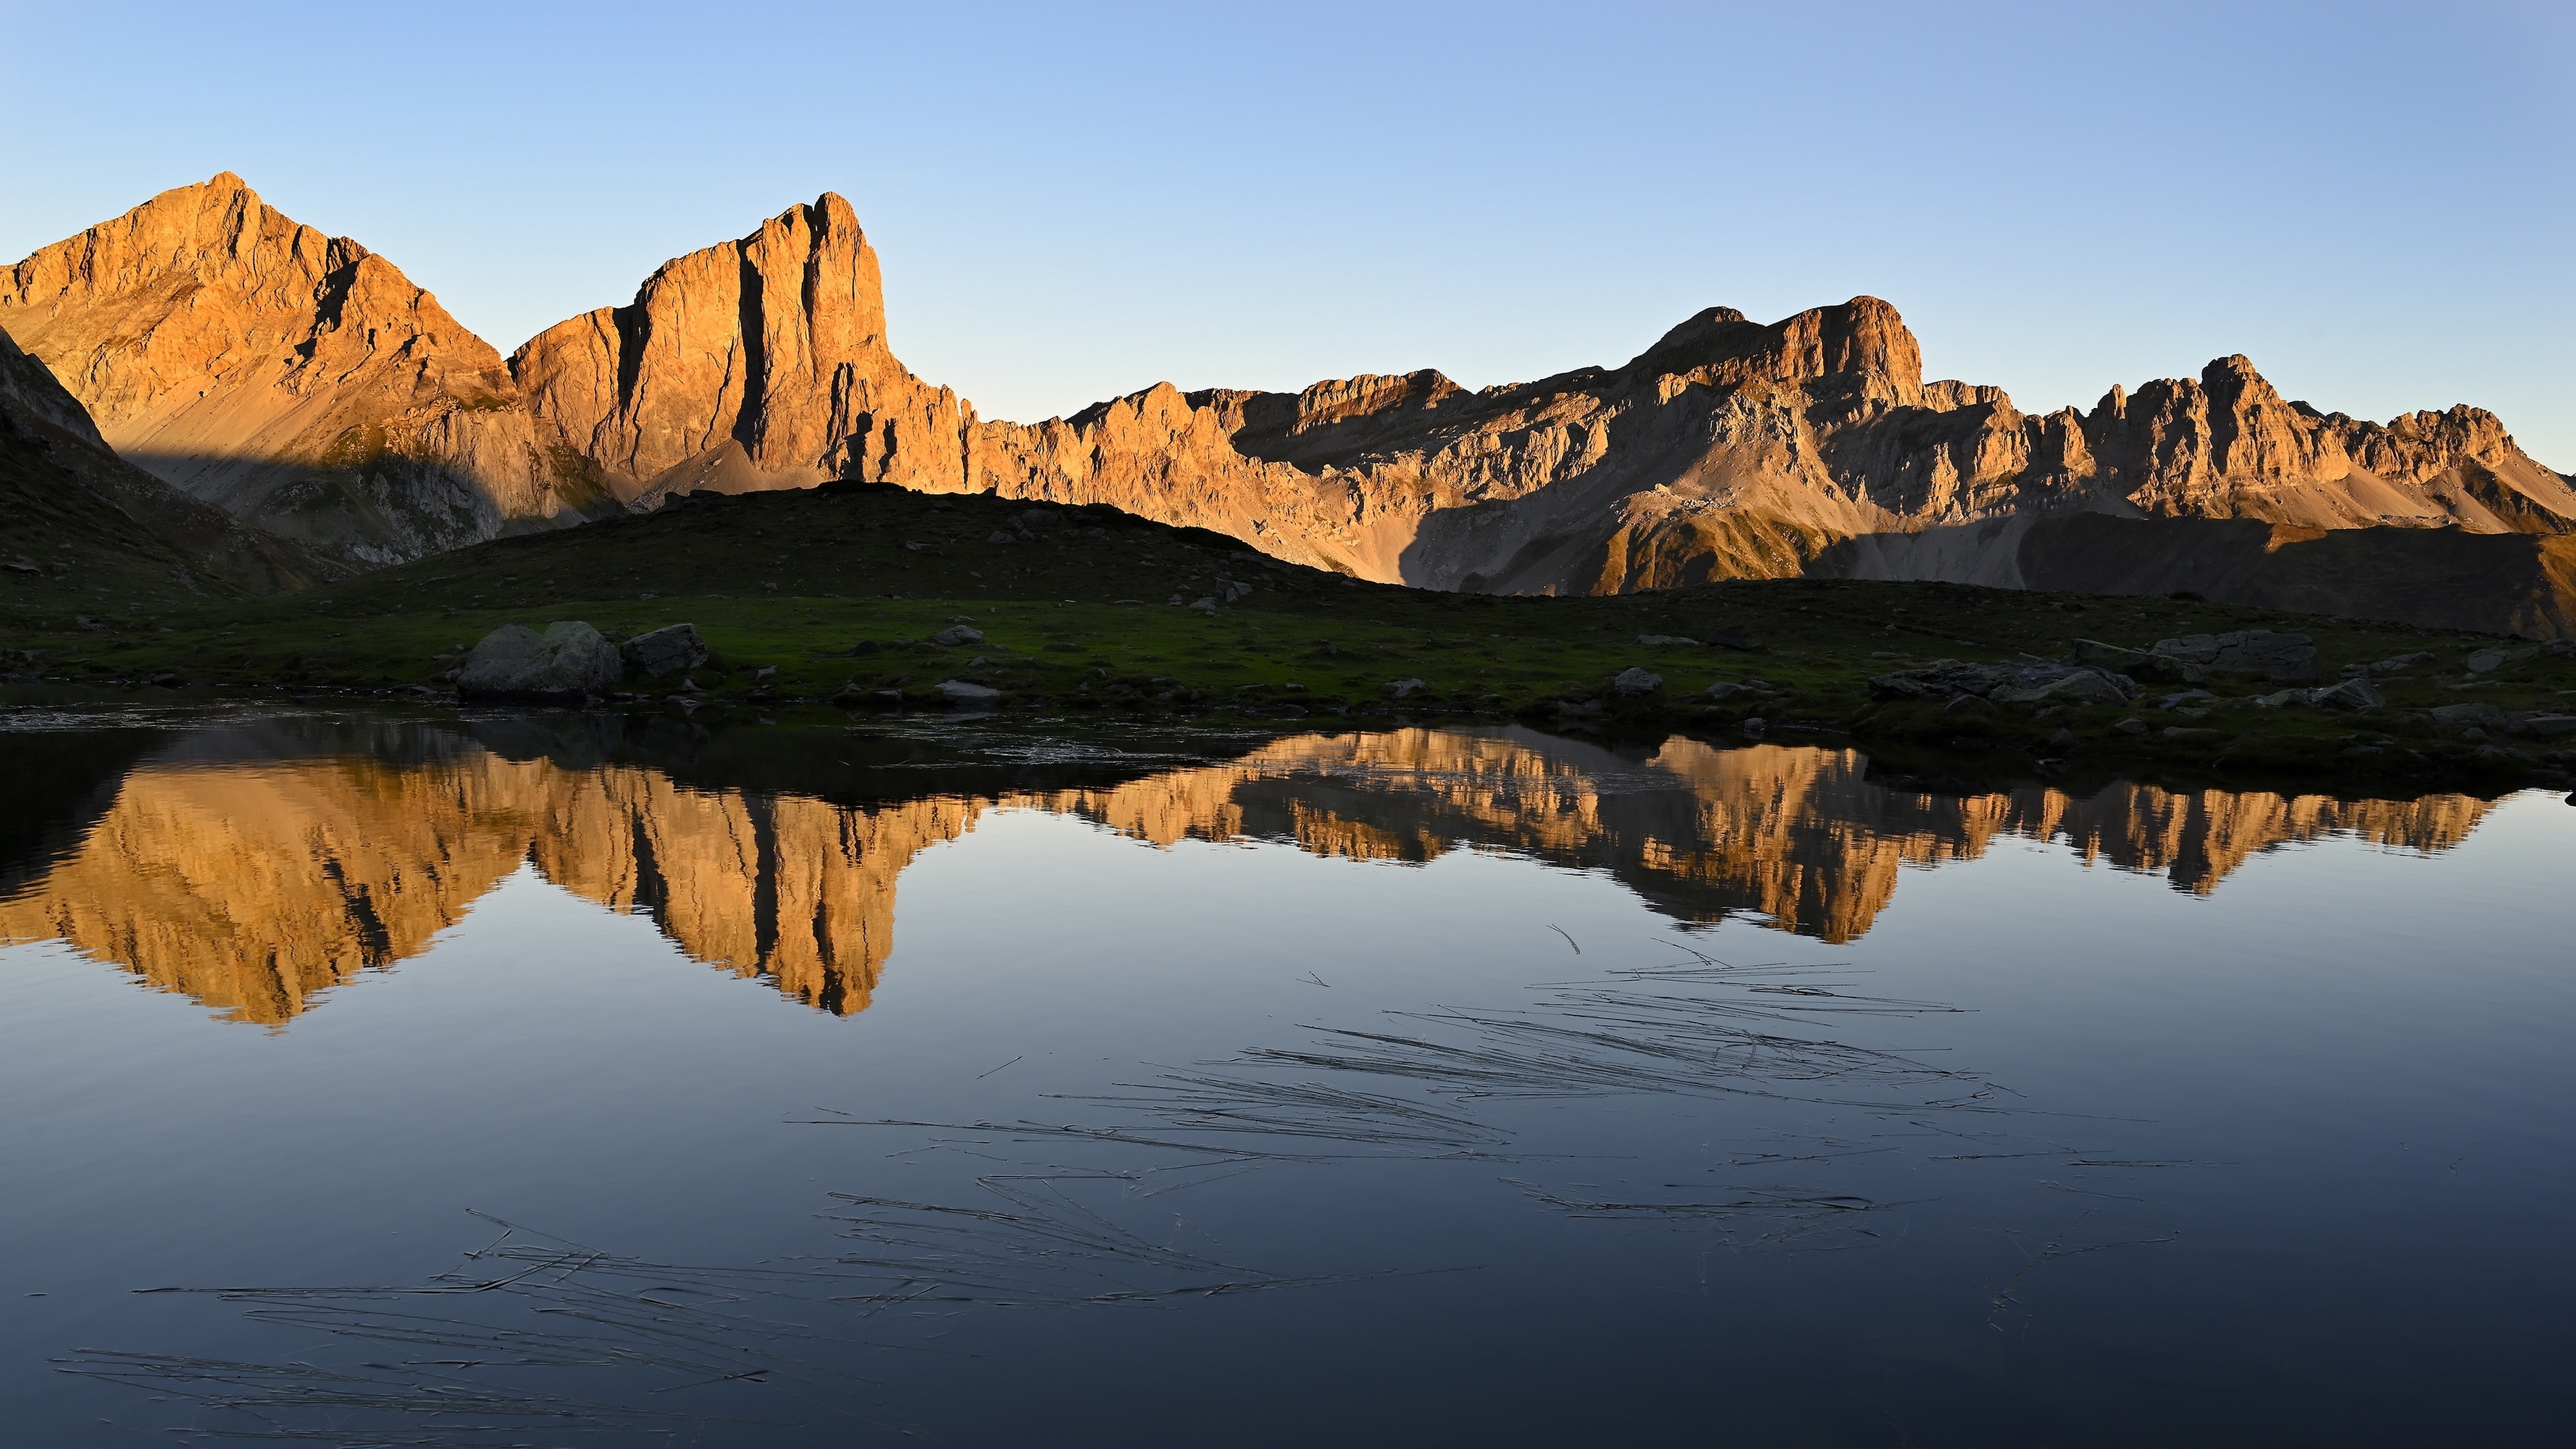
{"x":664,"y":650}
{"x":564,"y":663}
{"x":1634,"y":681}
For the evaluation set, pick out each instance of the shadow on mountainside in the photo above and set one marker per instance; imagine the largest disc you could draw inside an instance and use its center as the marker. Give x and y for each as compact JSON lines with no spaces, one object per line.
{"x":2442,"y":578}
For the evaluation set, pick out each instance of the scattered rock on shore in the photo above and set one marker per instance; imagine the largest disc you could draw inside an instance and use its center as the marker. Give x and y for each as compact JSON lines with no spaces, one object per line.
{"x":2281,"y":658}
{"x":1946,"y":679}
{"x":2488,"y":661}
{"x":2350,"y":694}
{"x":663,"y":650}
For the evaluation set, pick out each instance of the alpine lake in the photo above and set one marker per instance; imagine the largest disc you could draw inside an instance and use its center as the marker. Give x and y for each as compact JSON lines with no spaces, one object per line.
{"x":404,"y":1076}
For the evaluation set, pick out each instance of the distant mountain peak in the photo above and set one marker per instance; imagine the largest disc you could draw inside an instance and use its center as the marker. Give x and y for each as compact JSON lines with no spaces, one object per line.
{"x":296,"y":379}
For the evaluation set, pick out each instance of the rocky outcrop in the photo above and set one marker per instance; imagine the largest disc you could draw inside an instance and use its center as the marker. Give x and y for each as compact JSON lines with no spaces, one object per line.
{"x":1527,"y":489}
{"x":671,"y":647}
{"x":759,"y":363}
{"x":2230,"y":446}
{"x":1735,"y":449}
{"x":296,"y":380}
{"x":1173,"y":458}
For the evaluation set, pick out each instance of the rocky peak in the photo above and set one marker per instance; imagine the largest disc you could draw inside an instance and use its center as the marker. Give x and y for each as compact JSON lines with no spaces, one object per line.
{"x":295,"y":379}
{"x":759,"y":360}
{"x":1862,"y":338}
{"x":2460,"y":429}
{"x":2233,"y":384}
{"x":1863,"y":345}
{"x":1706,"y":338}
{"x":2229,"y":445}
{"x":1336,"y":401}
{"x":1337,"y":416}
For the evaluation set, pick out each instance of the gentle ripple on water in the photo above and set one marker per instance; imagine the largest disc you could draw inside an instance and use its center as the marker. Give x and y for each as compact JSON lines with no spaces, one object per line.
{"x":560,"y":1079}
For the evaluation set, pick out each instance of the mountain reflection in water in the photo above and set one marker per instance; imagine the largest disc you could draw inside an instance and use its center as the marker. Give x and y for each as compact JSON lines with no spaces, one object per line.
{"x":253,"y":868}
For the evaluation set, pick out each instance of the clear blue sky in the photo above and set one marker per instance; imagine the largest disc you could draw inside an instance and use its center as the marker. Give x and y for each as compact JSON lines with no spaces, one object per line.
{"x":2376,"y":202}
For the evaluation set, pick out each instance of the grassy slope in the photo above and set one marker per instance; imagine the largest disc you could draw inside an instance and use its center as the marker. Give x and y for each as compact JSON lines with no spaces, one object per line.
{"x":68,"y":549}
{"x":91,"y":523}
{"x":794,"y":580}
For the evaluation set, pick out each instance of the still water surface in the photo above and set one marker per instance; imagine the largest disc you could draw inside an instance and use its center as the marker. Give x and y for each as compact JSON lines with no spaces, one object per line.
{"x":543,"y":1081}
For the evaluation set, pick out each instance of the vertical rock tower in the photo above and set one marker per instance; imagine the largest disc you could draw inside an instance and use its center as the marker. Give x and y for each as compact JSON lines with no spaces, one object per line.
{"x":758,"y":363}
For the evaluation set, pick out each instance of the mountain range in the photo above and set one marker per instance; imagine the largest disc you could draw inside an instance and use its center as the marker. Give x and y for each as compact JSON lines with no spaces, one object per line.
{"x":306,"y":387}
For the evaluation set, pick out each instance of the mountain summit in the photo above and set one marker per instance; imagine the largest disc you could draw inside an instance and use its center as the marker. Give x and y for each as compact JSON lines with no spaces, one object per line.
{"x":297,"y":380}
{"x":754,"y":363}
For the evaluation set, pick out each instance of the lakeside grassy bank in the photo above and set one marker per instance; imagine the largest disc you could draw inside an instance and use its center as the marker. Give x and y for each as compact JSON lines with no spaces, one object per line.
{"x":833,"y":595}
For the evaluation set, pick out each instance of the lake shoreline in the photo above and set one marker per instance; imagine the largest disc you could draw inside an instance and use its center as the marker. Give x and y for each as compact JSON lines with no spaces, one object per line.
{"x":880,"y":601}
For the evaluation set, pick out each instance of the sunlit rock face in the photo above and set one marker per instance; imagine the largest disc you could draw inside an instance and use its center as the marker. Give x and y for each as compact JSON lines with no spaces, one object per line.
{"x":297,"y":380}
{"x":254,"y":886}
{"x":1730,"y":448}
{"x":756,"y":363}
